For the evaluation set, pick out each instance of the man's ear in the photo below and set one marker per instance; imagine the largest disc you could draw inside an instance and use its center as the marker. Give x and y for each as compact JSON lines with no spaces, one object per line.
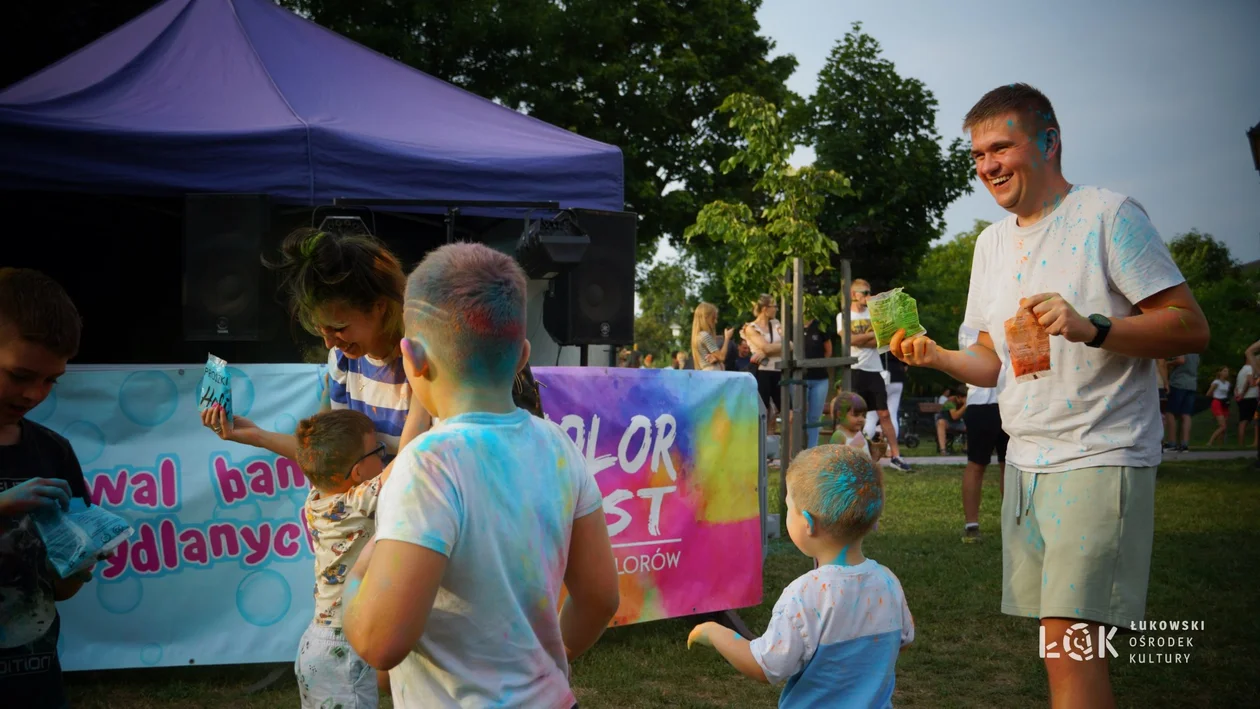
{"x":1052,"y":143}
{"x":415,"y":359}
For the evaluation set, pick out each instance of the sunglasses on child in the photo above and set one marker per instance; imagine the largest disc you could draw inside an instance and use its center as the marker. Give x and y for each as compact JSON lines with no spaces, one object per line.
{"x":379,"y":450}
{"x":861,"y":292}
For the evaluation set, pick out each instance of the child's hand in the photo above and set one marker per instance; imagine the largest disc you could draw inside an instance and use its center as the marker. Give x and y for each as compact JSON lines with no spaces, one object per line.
{"x":700,"y":634}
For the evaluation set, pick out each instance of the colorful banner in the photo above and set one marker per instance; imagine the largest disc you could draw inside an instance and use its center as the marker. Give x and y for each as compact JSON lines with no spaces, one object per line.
{"x":675,"y":455}
{"x":220,"y":568}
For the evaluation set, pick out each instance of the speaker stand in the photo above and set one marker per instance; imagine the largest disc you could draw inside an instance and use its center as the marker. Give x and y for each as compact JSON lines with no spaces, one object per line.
{"x":584,"y":356}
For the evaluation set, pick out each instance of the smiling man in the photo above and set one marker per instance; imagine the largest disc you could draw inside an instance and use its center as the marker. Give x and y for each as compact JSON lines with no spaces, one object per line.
{"x":1079,"y":502}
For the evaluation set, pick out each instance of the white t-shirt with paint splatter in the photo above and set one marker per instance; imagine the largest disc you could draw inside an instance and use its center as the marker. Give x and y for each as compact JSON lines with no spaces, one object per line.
{"x":496,"y":494}
{"x":834,"y":637}
{"x":1099,"y":251}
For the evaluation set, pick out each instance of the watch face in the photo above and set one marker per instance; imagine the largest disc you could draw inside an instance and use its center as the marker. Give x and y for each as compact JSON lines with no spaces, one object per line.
{"x":1100,"y":320}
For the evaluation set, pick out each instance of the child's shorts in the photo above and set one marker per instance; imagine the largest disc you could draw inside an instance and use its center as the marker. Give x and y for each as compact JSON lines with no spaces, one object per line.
{"x":1077,"y":544}
{"x":331,"y":674}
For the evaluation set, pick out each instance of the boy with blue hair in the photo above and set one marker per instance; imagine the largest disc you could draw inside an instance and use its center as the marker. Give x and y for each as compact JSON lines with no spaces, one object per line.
{"x":836,"y":631}
{"x":484,"y":518}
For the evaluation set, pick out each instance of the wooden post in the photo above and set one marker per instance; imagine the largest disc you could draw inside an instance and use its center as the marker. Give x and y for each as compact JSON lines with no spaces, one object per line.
{"x":798,"y":353}
{"x":846,"y":285}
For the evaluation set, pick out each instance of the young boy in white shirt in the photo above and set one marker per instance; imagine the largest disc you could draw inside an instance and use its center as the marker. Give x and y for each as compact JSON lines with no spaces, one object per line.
{"x":836,"y":631}
{"x":343,"y":460}
{"x":483,"y":518}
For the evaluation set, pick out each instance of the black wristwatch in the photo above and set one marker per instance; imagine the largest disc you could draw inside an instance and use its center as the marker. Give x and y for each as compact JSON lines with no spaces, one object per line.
{"x":1104,"y":326}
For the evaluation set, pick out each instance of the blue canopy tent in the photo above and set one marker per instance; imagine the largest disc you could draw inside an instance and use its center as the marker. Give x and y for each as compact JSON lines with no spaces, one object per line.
{"x":244,"y":96}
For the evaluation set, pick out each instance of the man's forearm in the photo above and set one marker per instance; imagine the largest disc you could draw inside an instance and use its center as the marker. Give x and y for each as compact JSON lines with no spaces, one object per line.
{"x":580,"y":627}
{"x":976,"y":365}
{"x":1169,"y":332}
{"x":863,"y":340}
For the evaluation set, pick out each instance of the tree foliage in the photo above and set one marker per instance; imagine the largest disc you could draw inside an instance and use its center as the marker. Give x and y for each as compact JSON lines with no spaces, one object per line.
{"x":879,"y":128}
{"x":761,"y":243}
{"x":1229,"y":297}
{"x":666,"y":299}
{"x":644,"y":75}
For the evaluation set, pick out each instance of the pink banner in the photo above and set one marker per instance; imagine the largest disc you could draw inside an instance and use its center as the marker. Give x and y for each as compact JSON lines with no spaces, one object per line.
{"x":675,"y":455}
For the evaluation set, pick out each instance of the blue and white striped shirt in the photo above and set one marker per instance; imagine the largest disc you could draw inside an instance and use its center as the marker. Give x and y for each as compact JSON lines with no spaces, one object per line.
{"x":375,"y":387}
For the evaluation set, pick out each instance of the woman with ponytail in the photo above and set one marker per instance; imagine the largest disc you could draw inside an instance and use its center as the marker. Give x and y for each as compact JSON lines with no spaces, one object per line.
{"x":348,"y":290}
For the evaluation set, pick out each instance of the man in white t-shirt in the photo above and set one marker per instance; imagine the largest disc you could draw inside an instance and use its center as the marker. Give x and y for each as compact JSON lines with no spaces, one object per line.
{"x":1079,"y":507}
{"x":868,"y":373}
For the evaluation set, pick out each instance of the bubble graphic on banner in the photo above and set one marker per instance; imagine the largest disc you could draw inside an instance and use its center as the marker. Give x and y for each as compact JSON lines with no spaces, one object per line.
{"x":247,"y":512}
{"x":87,"y":439}
{"x":242,"y":392}
{"x":148,"y":398}
{"x":120,"y":596}
{"x":285,"y":424}
{"x":151,"y":654}
{"x":263,"y":597}
{"x":40,"y":413}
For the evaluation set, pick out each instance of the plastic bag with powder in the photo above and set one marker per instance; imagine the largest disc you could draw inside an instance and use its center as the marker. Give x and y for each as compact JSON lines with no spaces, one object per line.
{"x":1029,"y":345}
{"x":892,"y":311}
{"x":79,"y":538}
{"x":215,"y":387}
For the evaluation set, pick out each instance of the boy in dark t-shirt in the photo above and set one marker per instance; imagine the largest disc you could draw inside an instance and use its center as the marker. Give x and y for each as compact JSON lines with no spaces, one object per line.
{"x":39,"y":333}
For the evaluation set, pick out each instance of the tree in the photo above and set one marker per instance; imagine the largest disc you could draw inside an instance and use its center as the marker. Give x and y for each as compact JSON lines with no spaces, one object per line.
{"x":879,"y":129}
{"x":761,"y":247}
{"x":1229,"y":297}
{"x":665,"y":301}
{"x":644,"y":75}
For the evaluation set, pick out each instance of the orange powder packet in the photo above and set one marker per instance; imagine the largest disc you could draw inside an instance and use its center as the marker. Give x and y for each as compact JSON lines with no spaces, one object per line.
{"x":1029,"y":345}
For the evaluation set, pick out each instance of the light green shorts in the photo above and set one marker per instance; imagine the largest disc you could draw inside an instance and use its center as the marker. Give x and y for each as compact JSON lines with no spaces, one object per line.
{"x":1077,"y":544}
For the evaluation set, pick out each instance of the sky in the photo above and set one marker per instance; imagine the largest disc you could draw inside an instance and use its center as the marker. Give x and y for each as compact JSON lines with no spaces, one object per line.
{"x":1154,"y":98}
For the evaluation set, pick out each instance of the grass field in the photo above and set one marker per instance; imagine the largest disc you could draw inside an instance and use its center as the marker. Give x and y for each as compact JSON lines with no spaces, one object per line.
{"x":966,"y":654}
{"x":1201,"y":427}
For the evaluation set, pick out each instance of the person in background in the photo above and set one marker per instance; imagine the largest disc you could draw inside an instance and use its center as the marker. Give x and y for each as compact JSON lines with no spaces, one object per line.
{"x":458,"y":596}
{"x":1183,"y":386}
{"x":848,"y":415}
{"x":348,"y":290}
{"x":340,"y":456}
{"x":868,"y":373}
{"x":817,"y":346}
{"x":39,"y":335}
{"x":649,"y":362}
{"x":985,"y":436}
{"x":765,"y":338}
{"x":1246,"y":392}
{"x":1161,"y":382}
{"x":679,"y":361}
{"x":950,"y":418}
{"x":1252,"y":355}
{"x":1218,"y":392}
{"x":739,"y":357}
{"x":836,"y":631}
{"x":706,"y":353}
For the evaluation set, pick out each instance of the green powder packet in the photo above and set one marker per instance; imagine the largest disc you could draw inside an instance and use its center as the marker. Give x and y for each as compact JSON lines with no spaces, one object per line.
{"x":892,"y":311}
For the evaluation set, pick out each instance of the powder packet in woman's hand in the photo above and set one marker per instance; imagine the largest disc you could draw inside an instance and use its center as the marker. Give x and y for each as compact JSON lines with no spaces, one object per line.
{"x":215,"y":387}
{"x":77,"y":539}
{"x":1029,"y":345}
{"x":892,"y":311}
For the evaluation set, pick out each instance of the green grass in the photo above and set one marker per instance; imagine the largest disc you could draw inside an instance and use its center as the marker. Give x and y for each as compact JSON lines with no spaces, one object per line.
{"x":1201,"y":427}
{"x":966,"y":654}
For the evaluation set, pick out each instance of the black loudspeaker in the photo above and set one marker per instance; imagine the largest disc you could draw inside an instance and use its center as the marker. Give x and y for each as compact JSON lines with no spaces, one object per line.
{"x":592,"y":303}
{"x":223,"y":242}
